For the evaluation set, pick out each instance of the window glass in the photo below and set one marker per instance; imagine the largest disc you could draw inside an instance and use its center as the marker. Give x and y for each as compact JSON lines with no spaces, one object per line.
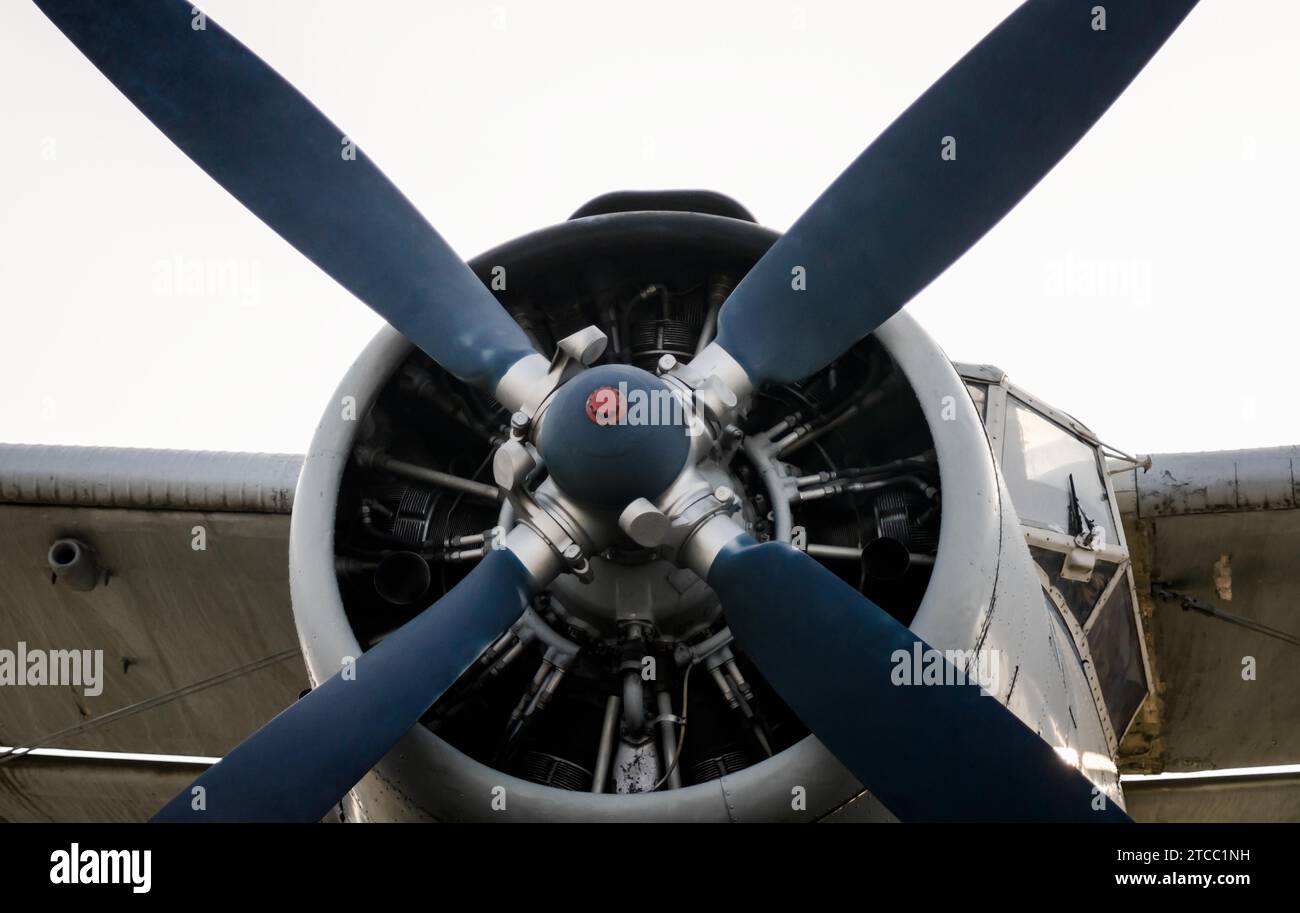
{"x":1117,"y":658}
{"x":1039,"y":458}
{"x":1080,"y":596}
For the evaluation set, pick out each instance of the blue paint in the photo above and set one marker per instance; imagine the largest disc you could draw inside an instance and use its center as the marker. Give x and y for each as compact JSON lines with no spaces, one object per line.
{"x":296,"y":767}
{"x":928,"y":752}
{"x":901,"y":214}
{"x":266,"y":144}
{"x":635,"y":456}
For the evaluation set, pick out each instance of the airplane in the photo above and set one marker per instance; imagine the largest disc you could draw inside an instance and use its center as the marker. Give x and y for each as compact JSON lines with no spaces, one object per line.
{"x":645,"y":440}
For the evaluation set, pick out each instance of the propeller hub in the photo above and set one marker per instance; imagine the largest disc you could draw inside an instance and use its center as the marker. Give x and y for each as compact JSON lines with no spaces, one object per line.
{"x":606,"y":406}
{"x":615,"y":433}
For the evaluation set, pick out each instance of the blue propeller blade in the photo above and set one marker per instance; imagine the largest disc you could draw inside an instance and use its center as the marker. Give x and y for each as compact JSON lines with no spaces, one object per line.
{"x":944,"y":173}
{"x":296,"y":767}
{"x":928,"y":752}
{"x":261,"y":140}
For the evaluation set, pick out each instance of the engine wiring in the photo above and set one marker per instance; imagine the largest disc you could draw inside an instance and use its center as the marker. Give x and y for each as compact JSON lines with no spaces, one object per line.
{"x":681,"y":732}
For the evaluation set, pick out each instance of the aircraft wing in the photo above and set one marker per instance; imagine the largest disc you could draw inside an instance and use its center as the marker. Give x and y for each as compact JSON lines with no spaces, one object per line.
{"x":1216,"y":533}
{"x":189,"y":606}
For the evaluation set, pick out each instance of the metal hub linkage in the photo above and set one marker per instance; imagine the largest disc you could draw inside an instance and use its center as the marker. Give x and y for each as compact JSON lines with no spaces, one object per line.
{"x":687,"y":521}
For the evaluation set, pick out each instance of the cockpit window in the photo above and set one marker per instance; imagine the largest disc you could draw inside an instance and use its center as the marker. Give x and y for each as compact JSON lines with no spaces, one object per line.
{"x":1040,"y":460}
{"x":1117,"y":658}
{"x":1080,"y":595}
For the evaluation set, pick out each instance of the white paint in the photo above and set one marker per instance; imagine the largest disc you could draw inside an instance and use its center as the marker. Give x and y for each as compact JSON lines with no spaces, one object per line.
{"x":1220,"y":774}
{"x":77,"y":754}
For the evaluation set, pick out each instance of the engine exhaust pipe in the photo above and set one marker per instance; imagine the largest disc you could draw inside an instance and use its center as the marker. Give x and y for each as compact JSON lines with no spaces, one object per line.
{"x":402,"y":578}
{"x":887,"y":559}
{"x":74,"y":565}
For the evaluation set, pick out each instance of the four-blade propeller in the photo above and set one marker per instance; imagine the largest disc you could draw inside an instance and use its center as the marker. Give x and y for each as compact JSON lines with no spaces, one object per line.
{"x":923,"y":193}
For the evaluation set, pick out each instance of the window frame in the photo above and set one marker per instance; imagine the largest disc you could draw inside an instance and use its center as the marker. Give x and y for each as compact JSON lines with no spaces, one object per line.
{"x":998,"y":389}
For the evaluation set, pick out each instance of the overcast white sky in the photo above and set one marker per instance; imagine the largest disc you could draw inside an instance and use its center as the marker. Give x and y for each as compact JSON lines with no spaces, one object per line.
{"x":1147,"y":285}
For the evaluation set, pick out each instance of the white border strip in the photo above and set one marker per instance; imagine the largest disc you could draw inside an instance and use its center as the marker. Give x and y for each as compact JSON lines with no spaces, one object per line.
{"x":109,"y":756}
{"x":1225,"y":773}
